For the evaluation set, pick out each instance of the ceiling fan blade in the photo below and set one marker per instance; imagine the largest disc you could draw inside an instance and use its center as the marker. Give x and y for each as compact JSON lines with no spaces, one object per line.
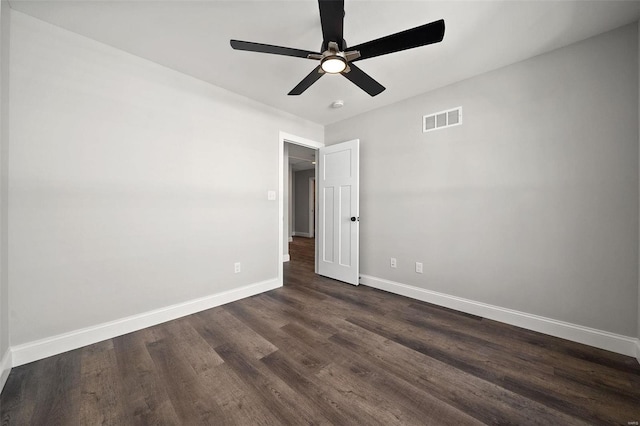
{"x":415,"y":37}
{"x":332,"y":20}
{"x":307,"y":81}
{"x":364,"y":81}
{"x":268,"y":48}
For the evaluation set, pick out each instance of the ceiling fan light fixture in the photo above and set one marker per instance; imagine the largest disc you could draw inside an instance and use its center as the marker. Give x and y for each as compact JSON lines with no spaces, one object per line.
{"x":333,"y":64}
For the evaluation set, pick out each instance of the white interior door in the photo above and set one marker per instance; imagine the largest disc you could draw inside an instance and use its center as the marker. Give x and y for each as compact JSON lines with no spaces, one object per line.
{"x":338,"y":210}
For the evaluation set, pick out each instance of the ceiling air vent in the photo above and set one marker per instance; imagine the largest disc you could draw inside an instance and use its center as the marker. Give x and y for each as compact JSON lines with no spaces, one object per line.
{"x":442,"y":119}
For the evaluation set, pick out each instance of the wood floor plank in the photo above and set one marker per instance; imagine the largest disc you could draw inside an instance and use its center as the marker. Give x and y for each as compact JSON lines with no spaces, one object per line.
{"x":194,"y":348}
{"x":534,"y":360}
{"x":531,"y":359}
{"x":405,"y":403}
{"x":189,"y":397}
{"x":467,"y":339}
{"x":18,"y":399}
{"x":145,"y":398}
{"x":300,"y":314}
{"x":486,"y":401}
{"x":267,"y":316}
{"x":238,"y":401}
{"x":331,"y":402}
{"x":58,"y":394}
{"x":389,"y":397}
{"x":530,"y":356}
{"x":538,"y":347}
{"x":228,"y":330}
{"x":280,"y":338}
{"x":276,"y":395}
{"x":577,"y":401}
{"x":100,"y":401}
{"x":565,"y":348}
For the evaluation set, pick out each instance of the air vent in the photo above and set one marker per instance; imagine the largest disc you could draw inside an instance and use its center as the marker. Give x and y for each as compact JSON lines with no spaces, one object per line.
{"x":442,"y":119}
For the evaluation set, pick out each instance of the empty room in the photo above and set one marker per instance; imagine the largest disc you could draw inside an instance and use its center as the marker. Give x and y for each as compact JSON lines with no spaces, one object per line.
{"x":358,"y":212}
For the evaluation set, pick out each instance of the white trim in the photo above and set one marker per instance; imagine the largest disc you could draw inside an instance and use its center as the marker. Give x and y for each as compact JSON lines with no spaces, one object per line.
{"x":291,"y":202}
{"x":316,"y":259}
{"x":312,"y":225}
{"x":5,"y":368}
{"x":297,"y":140}
{"x":638,"y":350}
{"x":33,"y":351}
{"x":302,"y":234}
{"x":282,"y":138}
{"x":291,"y":238}
{"x":286,"y":257}
{"x":589,"y":336}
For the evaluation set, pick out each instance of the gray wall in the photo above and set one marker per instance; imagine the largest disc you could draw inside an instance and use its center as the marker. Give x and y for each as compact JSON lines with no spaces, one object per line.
{"x":4,"y":143}
{"x":302,"y":200}
{"x":531,"y":204}
{"x":125,"y":193}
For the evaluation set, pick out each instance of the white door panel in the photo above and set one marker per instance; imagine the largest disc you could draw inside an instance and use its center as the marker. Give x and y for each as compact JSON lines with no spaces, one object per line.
{"x":338,"y":227}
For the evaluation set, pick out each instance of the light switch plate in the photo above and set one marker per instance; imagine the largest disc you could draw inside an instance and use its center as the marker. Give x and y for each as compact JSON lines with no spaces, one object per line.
{"x":271,"y":195}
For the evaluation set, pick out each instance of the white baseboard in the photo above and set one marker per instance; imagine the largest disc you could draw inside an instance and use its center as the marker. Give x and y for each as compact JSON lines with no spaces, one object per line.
{"x":589,"y":336}
{"x":33,"y":351}
{"x":291,"y":237}
{"x":638,"y":350}
{"x":302,"y":234}
{"x":5,"y":368}
{"x":286,"y":257}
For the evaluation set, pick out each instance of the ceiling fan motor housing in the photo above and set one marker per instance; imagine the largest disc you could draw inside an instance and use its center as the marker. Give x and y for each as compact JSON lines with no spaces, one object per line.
{"x":341,"y":46}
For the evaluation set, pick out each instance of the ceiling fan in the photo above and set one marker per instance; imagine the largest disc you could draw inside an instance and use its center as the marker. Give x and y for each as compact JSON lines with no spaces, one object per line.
{"x":335,"y":58}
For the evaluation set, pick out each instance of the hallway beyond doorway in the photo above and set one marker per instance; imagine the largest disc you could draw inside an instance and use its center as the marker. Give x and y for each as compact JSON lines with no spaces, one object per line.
{"x":302,"y":252}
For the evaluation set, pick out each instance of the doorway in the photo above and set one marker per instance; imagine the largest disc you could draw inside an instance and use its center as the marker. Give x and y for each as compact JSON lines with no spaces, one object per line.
{"x":286,"y":222}
{"x":302,"y":163}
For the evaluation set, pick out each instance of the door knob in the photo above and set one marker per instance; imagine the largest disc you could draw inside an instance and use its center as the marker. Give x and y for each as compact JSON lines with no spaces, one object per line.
{"x":353,"y":218}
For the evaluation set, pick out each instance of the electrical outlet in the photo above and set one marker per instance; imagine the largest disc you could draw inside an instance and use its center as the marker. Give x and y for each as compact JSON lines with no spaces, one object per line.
{"x":419,"y":267}
{"x":394,"y":262}
{"x":237,"y":267}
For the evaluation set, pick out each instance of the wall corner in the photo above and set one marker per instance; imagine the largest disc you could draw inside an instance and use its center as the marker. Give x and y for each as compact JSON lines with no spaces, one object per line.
{"x":638,"y":246}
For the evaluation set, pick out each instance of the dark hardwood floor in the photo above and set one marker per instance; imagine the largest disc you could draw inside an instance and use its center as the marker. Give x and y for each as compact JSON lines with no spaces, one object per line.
{"x":322,"y":352}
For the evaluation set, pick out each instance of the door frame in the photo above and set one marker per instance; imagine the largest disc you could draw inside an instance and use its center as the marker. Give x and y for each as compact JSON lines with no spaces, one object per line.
{"x":283,"y":138}
{"x":312,"y":204}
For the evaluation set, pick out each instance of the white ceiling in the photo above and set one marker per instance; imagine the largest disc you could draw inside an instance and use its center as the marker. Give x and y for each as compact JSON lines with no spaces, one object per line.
{"x":301,"y":157}
{"x":193,"y":37}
